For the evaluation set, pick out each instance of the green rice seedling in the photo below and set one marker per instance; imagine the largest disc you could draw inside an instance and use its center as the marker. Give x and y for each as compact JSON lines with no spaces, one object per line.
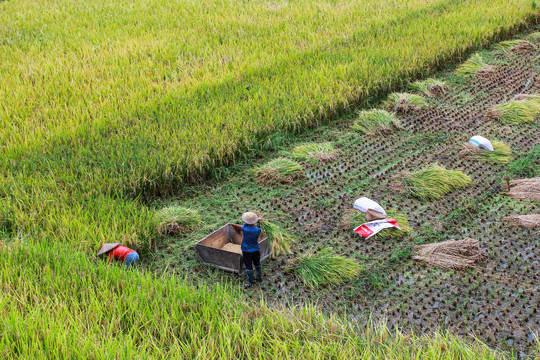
{"x":535,"y":36}
{"x":324,"y":267}
{"x":527,"y":166}
{"x":434,"y":182}
{"x":430,"y":87}
{"x":475,"y":65}
{"x":174,"y":220}
{"x":376,"y":121}
{"x":280,"y":240}
{"x":358,"y":218}
{"x":501,"y":154}
{"x":404,"y":102}
{"x":522,"y":109}
{"x":280,"y":170}
{"x":314,"y":151}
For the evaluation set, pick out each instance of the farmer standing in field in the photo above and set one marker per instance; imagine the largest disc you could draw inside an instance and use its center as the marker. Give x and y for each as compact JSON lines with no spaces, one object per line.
{"x":250,"y":246}
{"x":120,"y":253}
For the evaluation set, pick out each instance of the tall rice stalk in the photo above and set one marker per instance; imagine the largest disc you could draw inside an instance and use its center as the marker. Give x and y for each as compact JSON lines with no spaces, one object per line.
{"x":280,"y":240}
{"x":324,"y":267}
{"x":475,"y":65}
{"x":376,"y":121}
{"x":314,"y":151}
{"x":280,"y":170}
{"x":517,"y":111}
{"x":434,"y":182}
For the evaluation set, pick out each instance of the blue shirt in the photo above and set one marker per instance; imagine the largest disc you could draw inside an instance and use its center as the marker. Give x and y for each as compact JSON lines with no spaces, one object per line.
{"x":250,"y":240}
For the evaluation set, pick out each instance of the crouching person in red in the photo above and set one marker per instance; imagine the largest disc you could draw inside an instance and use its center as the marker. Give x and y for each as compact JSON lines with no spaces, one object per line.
{"x":120,"y":253}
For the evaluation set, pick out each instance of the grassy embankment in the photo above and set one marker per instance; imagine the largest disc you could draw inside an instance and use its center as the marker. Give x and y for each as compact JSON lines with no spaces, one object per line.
{"x":62,"y":305}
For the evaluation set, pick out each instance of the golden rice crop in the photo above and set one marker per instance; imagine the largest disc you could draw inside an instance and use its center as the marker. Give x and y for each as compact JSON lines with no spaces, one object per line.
{"x":96,"y":114}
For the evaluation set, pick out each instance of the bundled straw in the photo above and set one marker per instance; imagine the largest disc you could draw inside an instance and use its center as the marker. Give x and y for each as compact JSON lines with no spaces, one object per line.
{"x":430,"y":87}
{"x":530,"y":221}
{"x":475,"y":65}
{"x":501,"y":153}
{"x":524,"y":108}
{"x":279,"y":239}
{"x":324,"y":267}
{"x":451,"y":254}
{"x":528,"y":189}
{"x":280,"y":170}
{"x":376,"y":121}
{"x":404,"y":102}
{"x":518,"y":46}
{"x":434,"y":182}
{"x":314,"y":151}
{"x":174,"y":220}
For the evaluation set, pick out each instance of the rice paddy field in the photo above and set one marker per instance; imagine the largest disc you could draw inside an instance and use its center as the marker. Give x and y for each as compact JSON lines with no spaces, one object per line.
{"x":152,"y":123}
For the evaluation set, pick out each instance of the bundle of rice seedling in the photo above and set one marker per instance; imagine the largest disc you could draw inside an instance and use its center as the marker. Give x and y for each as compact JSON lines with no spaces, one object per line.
{"x":316,"y":151}
{"x":404,"y":102}
{"x":279,"y":239}
{"x":475,"y":65}
{"x":375,"y":121}
{"x":518,"y":46}
{"x":356,"y":218}
{"x":451,"y":254}
{"x":528,"y":189}
{"x":530,"y":221}
{"x":501,"y":153}
{"x":430,"y":87}
{"x":520,"y":110}
{"x":280,"y":170}
{"x":324,"y":267}
{"x":173,"y":220}
{"x":434,"y":182}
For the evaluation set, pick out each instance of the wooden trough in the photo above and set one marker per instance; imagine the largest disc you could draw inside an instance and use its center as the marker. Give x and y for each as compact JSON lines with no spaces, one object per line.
{"x":222,"y":249}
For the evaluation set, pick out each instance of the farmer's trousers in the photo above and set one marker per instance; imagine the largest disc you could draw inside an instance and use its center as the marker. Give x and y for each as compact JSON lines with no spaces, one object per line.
{"x":251,"y":258}
{"x":131,"y":259}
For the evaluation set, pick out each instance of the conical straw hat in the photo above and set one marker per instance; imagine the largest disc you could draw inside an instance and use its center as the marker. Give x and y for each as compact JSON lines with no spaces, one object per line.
{"x":250,"y":218}
{"x":107,"y":247}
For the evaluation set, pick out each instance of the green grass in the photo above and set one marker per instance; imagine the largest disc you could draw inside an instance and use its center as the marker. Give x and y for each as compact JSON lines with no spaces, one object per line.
{"x":324,"y":268}
{"x":403,"y":102}
{"x":58,"y":304}
{"x":517,"y":111}
{"x":434,"y":182}
{"x":104,"y":103}
{"x":375,"y":121}
{"x":473,"y":66}
{"x":527,"y":165}
{"x":430,"y":87}
{"x":280,"y":240}
{"x":501,"y":154}
{"x":280,"y":170}
{"x":173,"y":220}
{"x":358,"y":218}
{"x":314,"y":151}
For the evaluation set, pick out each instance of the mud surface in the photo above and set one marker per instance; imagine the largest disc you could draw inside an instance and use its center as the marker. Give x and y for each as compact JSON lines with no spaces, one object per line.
{"x":498,"y":302}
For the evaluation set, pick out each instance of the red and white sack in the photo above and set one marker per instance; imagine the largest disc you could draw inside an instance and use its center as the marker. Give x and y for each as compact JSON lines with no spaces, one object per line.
{"x":369,"y":229}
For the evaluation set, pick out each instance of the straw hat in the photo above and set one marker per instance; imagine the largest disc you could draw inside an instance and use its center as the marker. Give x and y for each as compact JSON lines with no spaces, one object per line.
{"x":107,"y":247}
{"x":250,"y":218}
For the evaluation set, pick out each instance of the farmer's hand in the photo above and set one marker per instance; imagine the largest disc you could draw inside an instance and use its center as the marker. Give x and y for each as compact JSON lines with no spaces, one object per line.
{"x":261,"y":219}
